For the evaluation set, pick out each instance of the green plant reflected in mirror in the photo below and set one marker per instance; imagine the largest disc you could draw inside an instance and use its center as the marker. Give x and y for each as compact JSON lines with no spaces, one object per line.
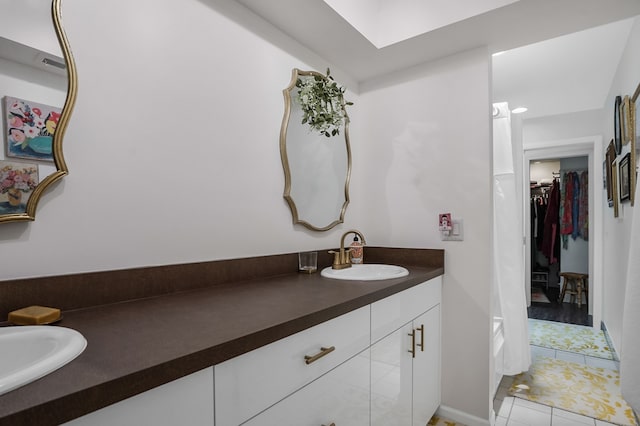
{"x":315,"y":150}
{"x":38,"y":87}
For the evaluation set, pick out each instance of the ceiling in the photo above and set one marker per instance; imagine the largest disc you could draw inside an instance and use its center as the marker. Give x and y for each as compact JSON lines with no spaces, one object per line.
{"x":549,"y":77}
{"x":563,"y":75}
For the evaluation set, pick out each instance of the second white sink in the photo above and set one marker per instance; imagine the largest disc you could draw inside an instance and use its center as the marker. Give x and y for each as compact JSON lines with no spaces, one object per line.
{"x":366,"y":272}
{"x":28,"y":353}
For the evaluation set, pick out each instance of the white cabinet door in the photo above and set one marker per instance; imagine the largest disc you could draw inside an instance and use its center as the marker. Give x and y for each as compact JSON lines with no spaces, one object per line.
{"x":405,"y":387}
{"x":340,"y":397}
{"x":391,"y":379}
{"x":426,"y":366}
{"x":188,"y":400}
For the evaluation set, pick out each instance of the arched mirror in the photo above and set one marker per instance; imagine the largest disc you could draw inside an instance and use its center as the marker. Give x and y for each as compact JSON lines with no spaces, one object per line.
{"x":37,"y":91}
{"x":315,"y":151}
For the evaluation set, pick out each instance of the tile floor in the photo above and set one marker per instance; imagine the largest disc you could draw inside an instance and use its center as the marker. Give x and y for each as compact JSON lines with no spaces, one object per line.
{"x":513,"y":411}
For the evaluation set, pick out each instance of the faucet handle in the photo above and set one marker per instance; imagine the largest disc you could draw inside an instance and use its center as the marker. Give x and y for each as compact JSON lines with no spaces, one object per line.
{"x":336,"y":258}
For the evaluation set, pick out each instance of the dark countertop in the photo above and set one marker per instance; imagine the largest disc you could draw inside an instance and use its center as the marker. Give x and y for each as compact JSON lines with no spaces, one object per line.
{"x":136,"y":345}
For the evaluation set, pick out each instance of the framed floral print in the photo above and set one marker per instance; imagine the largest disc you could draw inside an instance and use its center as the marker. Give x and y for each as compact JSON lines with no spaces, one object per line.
{"x":29,"y":129}
{"x":17,"y":182}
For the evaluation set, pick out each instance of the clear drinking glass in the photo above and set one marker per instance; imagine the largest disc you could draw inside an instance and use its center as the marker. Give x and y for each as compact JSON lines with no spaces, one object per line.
{"x":308,"y":262}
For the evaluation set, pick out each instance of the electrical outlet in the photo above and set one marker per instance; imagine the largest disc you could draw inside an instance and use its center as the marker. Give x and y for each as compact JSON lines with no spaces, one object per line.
{"x":456,"y":233}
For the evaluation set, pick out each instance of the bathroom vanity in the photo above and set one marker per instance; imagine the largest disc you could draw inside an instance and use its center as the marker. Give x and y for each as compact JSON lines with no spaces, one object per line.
{"x":283,"y":349}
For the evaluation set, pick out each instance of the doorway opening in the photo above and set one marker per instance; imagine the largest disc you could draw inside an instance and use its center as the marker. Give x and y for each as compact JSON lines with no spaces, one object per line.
{"x":559,"y":247}
{"x":583,"y":255}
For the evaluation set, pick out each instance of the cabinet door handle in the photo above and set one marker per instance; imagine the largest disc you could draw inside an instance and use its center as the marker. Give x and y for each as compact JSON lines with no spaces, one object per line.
{"x":421,"y":344}
{"x":308,"y":359}
{"x":413,"y":343}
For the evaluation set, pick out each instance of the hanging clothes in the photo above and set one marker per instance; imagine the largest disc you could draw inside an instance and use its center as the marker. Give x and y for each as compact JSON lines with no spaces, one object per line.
{"x":575,"y":205}
{"x":549,"y":247}
{"x":583,"y":214}
{"x":541,"y":207}
{"x":566,"y":221}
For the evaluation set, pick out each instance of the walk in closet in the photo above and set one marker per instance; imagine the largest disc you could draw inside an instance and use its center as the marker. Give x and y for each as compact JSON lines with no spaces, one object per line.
{"x":559,"y":205}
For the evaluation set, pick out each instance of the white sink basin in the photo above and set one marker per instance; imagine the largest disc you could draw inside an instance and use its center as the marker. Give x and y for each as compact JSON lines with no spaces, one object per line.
{"x":28,"y":353}
{"x":366,"y":272}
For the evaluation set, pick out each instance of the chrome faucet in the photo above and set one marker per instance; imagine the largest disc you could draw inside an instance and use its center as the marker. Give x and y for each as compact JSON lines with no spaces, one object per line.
{"x":342,"y":258}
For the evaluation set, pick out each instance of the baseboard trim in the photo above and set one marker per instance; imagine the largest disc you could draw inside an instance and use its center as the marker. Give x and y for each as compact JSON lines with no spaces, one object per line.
{"x":461,"y":417}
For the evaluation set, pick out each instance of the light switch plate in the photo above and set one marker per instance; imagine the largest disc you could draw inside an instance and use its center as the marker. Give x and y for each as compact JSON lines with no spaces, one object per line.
{"x":456,"y":233}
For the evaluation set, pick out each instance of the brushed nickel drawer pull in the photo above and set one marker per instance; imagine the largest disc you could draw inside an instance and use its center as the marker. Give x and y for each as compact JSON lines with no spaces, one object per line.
{"x":413,"y":343}
{"x":421,"y":344}
{"x":323,"y":351}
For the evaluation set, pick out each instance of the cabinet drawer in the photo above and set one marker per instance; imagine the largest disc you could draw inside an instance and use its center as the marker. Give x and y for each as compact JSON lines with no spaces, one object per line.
{"x":188,"y":398}
{"x":389,"y":314}
{"x":340,"y":397}
{"x":252,"y":382}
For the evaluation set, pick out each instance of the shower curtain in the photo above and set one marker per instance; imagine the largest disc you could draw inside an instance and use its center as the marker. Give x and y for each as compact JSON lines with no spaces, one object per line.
{"x":630,"y":351}
{"x":508,"y":256}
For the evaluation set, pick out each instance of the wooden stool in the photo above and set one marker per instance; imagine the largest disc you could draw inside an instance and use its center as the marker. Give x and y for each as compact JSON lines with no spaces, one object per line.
{"x":574,"y":284}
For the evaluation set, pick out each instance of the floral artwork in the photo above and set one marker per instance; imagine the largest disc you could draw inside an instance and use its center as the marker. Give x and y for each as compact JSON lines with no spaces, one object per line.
{"x":17,"y":181}
{"x":30,"y":128}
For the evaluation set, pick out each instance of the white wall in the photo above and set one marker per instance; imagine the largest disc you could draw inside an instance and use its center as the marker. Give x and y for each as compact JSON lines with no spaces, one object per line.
{"x":563,"y":126}
{"x":428,"y":151}
{"x":173,"y":143}
{"x":617,"y":230}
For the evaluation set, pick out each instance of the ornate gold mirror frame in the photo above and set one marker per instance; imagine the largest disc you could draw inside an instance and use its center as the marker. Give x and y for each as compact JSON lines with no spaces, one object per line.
{"x":58,"y":157}
{"x":317,"y":169}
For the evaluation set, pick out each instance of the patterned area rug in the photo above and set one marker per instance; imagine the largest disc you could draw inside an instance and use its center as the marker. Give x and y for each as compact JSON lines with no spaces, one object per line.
{"x":569,"y":337}
{"x":537,"y":295}
{"x":590,"y":391}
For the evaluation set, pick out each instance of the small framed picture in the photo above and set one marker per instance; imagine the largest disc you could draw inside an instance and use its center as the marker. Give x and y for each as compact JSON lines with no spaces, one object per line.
{"x":17,"y":182}
{"x":614,"y":185}
{"x":617,"y":130}
{"x":610,"y":158}
{"x":626,"y":130}
{"x":445,"y":221}
{"x":29,"y":129}
{"x":625,"y":176}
